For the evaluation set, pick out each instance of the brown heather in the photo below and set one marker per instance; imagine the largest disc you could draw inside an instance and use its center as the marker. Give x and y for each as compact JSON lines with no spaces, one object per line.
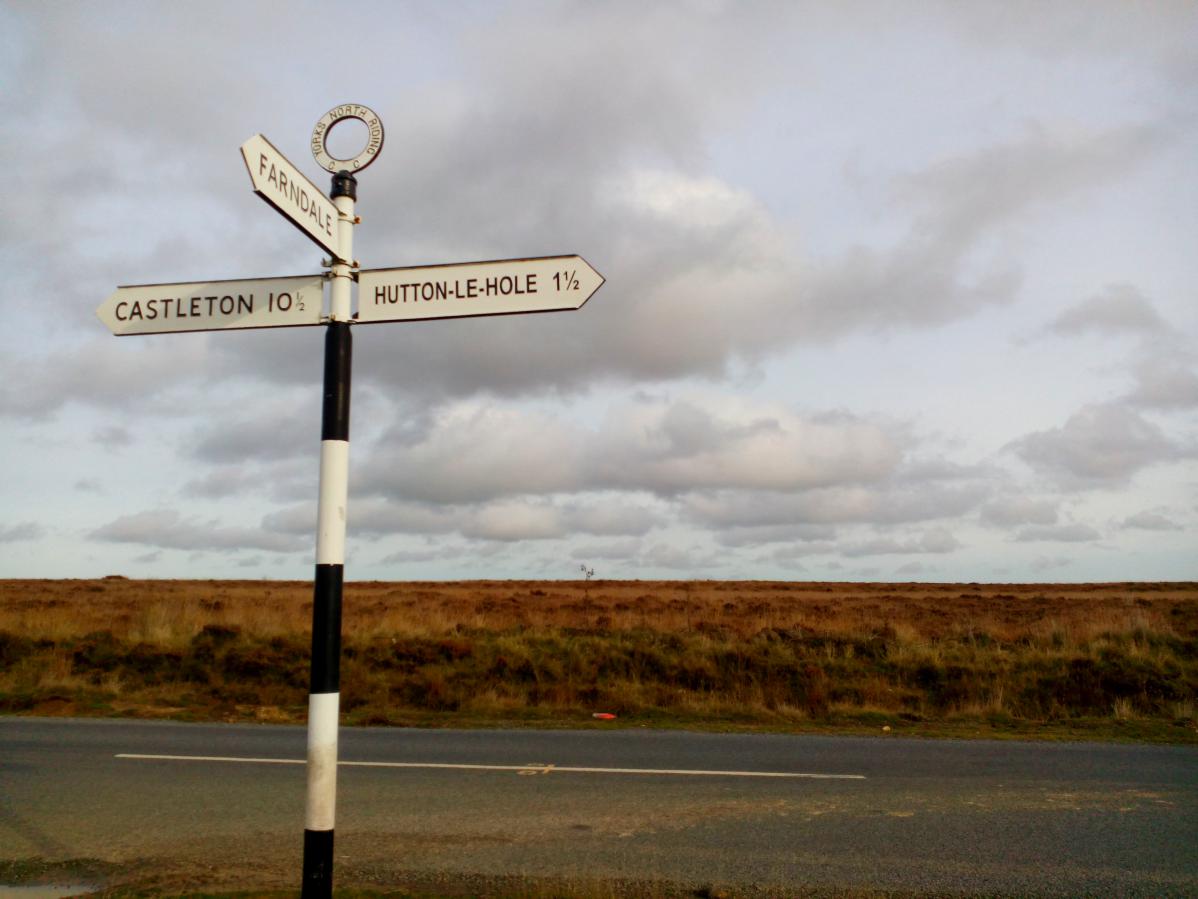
{"x":1107,"y":659}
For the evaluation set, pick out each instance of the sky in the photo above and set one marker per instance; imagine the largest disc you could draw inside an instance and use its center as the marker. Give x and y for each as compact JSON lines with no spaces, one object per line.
{"x":899,"y":292}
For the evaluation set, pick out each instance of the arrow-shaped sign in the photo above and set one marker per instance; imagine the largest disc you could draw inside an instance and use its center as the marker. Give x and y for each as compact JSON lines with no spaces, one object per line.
{"x":463,"y":289}
{"x":285,"y":188}
{"x":214,"y":305}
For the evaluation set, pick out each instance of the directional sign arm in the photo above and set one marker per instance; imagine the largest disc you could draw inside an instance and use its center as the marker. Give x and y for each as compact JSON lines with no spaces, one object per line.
{"x":284,"y":187}
{"x":460,"y":290}
{"x":214,"y":305}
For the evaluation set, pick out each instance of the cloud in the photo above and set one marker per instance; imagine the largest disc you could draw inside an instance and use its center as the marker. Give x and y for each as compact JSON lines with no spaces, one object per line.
{"x":513,"y":520}
{"x":936,"y":540}
{"x":675,"y":148}
{"x":25,"y":530}
{"x":1163,"y":383}
{"x":936,"y":274}
{"x":1041,"y":564}
{"x":1014,"y":510}
{"x":287,"y":477}
{"x":475,"y":452}
{"x":611,"y":550}
{"x":1060,"y":533}
{"x":432,"y":554}
{"x":819,"y":535}
{"x":544,"y":519}
{"x":230,"y":480}
{"x":788,"y":557}
{"x":966,"y":194}
{"x":1120,"y":309}
{"x":368,"y":517}
{"x":751,"y":474}
{"x":272,"y":432}
{"x":933,"y":541}
{"x":1105,"y":29}
{"x":1150,"y":521}
{"x":374,"y":517}
{"x":112,"y":436}
{"x":109,"y":373}
{"x":1098,"y":445}
{"x":167,"y":529}
{"x":884,"y":503}
{"x":1160,"y":365}
{"x":721,"y":443}
{"x":507,"y":519}
{"x":701,"y":276}
{"x":679,"y":558}
{"x":611,"y":515}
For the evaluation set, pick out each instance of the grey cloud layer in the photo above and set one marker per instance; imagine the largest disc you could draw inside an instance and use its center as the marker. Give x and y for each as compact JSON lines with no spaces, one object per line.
{"x":1099,"y":444}
{"x":25,"y":530}
{"x":1007,"y":511}
{"x":701,"y":276}
{"x":1059,"y":533}
{"x":167,"y":529}
{"x":603,"y":129}
{"x":1107,"y":443}
{"x":747,"y":475}
{"x":1120,"y":309}
{"x":1151,"y":521}
{"x":476,"y":452}
{"x":502,"y":520}
{"x":1163,"y":383}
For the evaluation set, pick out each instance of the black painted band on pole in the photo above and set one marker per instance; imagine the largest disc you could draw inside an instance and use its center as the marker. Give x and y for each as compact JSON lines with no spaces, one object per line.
{"x":318,"y":864}
{"x":326,"y":630}
{"x":344,"y":185}
{"x":338,"y":359}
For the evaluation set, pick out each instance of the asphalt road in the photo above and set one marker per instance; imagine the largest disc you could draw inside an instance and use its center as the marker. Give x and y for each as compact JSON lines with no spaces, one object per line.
{"x":888,"y":814}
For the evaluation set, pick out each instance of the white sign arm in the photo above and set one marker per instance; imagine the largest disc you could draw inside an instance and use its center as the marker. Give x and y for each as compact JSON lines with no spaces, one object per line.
{"x":289,"y":191}
{"x":461,"y":290}
{"x":214,"y":305}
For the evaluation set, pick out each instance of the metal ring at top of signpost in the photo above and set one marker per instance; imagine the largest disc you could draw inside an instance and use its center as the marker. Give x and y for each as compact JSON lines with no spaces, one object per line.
{"x":374,"y":142}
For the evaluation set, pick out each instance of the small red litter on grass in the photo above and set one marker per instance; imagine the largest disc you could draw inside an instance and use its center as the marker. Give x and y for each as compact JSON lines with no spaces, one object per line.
{"x":603,"y":716}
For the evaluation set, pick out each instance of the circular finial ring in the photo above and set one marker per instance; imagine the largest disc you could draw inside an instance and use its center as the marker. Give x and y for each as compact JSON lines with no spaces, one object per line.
{"x":320,"y":136}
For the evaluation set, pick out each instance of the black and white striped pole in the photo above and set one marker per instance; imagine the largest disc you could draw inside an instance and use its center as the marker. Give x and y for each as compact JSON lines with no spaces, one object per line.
{"x":498,"y":287}
{"x":324,"y":696}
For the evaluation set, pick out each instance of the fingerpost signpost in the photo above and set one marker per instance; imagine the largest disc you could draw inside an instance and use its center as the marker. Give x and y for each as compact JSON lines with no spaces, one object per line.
{"x":396,"y":294}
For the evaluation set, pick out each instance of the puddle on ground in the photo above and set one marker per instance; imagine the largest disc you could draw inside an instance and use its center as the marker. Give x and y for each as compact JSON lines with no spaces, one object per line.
{"x":44,"y":891}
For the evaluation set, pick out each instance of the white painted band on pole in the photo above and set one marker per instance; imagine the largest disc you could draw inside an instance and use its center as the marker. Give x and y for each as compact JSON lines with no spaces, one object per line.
{"x":334,"y":487}
{"x":323,"y":709}
{"x":340,"y":302}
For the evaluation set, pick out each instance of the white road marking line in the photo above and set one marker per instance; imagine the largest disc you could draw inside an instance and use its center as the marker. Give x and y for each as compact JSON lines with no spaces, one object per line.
{"x":538,"y":769}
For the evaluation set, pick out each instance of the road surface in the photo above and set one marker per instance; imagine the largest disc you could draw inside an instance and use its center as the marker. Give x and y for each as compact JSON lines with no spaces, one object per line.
{"x":222,"y":806}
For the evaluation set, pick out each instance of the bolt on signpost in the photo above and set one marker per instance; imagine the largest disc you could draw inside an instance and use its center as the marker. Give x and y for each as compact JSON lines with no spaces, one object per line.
{"x":397,"y":294}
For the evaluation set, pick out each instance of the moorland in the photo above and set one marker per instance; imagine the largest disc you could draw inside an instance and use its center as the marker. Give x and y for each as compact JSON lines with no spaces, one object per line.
{"x":1110,"y":661}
